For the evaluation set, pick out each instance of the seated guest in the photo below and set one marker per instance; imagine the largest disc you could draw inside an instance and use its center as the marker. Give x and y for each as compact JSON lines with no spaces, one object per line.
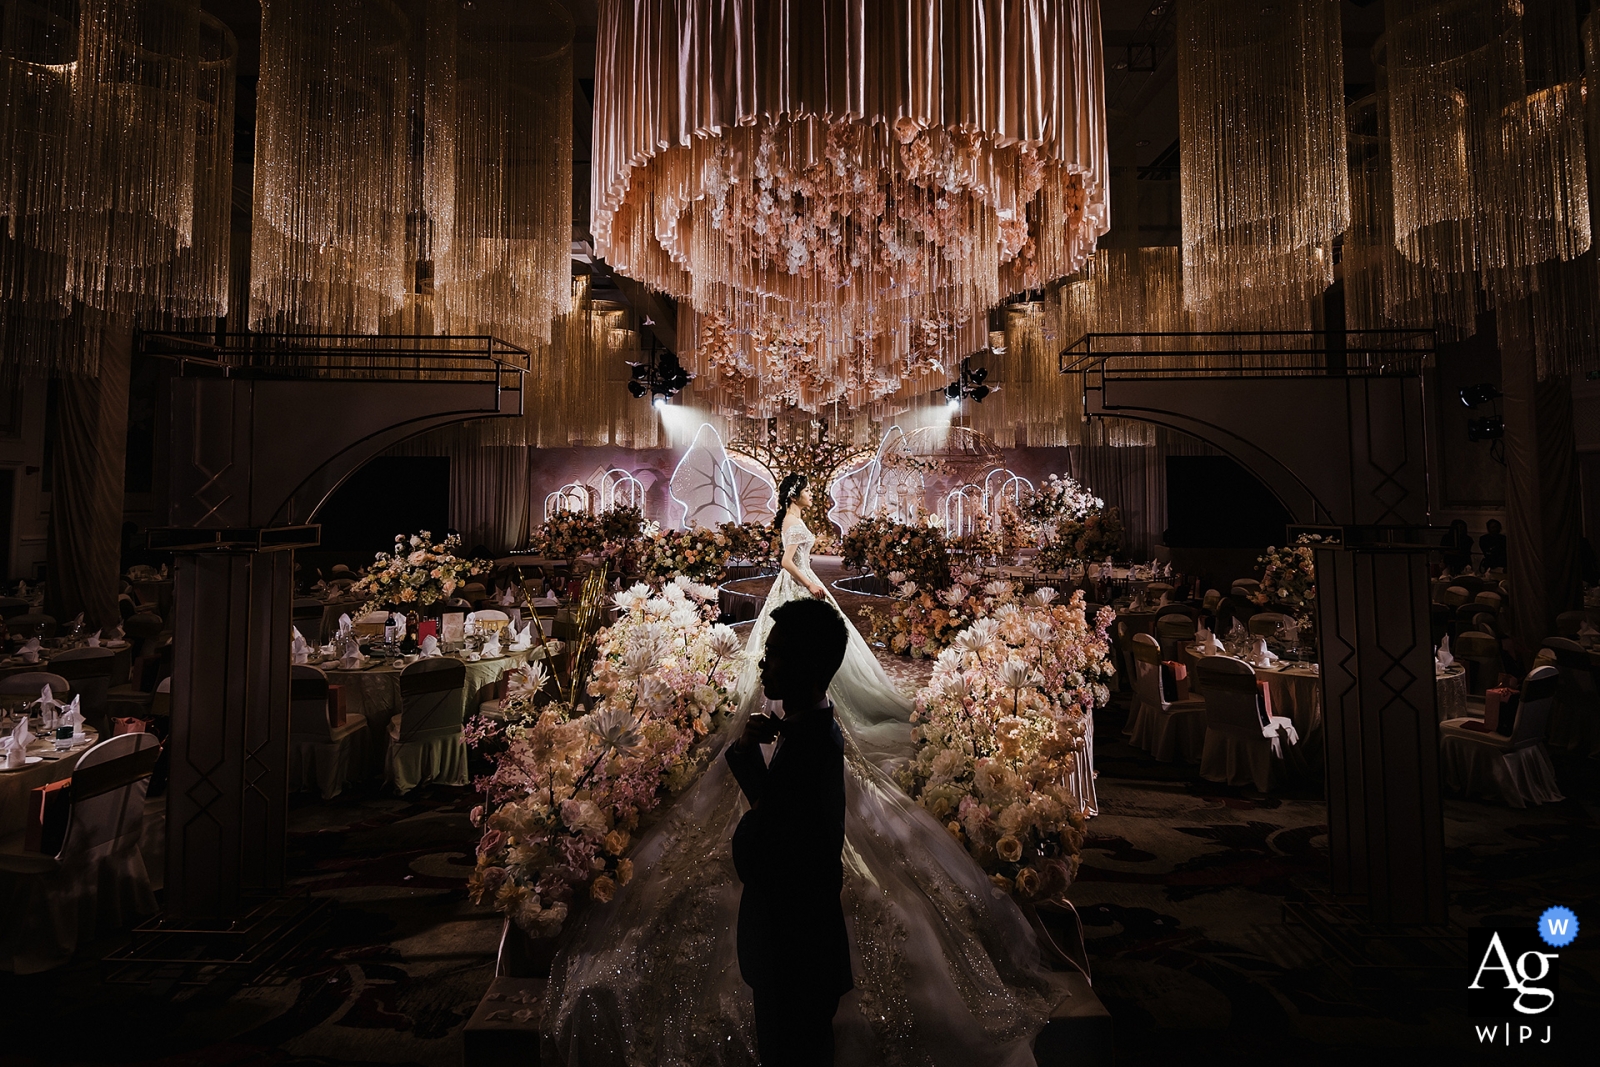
{"x":1493,"y":546}
{"x":1457,"y":545}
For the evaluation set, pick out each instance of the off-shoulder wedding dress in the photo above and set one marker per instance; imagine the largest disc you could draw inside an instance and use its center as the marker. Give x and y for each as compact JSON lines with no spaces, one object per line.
{"x":946,"y":968}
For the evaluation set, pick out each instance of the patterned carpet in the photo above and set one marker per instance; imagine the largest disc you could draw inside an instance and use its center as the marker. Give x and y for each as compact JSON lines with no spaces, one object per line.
{"x":1182,"y":892}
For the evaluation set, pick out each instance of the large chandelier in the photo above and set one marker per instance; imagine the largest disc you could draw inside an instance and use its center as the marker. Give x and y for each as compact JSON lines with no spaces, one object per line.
{"x":1262,"y":157}
{"x":845,"y":190}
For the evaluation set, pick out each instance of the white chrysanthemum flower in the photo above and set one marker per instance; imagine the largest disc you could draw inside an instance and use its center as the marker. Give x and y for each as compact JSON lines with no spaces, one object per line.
{"x":908,"y":590}
{"x":629,"y":599}
{"x":703,"y":593}
{"x":684,"y":616}
{"x":655,"y":694}
{"x":1043,"y":596}
{"x":954,"y":595}
{"x":528,"y":681}
{"x":997,"y":587}
{"x":1042,"y":630}
{"x":1015,"y":674}
{"x":974,"y":640}
{"x":897,"y":577}
{"x":639,"y":660}
{"x":1006,"y":612}
{"x":988,"y":627}
{"x":615,"y":730}
{"x":724,"y":641}
{"x":969,"y":578}
{"x":949,"y":659}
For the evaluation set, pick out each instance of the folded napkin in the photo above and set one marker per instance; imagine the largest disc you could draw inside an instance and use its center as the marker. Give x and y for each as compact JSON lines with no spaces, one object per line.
{"x":344,"y":624}
{"x":352,"y":658}
{"x":74,"y":718}
{"x":49,"y":707}
{"x":491,"y":647}
{"x":21,"y":738}
{"x":115,"y":633}
{"x":1441,"y":655}
{"x":1204,"y":639}
{"x":299,"y":651}
{"x":507,"y":598}
{"x":521,"y":637}
{"x":430,"y":647}
{"x":1261,"y":655}
{"x":77,"y":621}
{"x":94,"y":639}
{"x":22,"y":590}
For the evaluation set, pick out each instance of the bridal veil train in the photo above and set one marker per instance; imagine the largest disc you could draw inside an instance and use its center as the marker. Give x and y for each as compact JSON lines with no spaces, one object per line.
{"x":946,"y":967}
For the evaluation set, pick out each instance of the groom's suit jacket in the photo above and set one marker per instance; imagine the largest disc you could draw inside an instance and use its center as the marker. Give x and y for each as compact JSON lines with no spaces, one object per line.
{"x":788,"y":850}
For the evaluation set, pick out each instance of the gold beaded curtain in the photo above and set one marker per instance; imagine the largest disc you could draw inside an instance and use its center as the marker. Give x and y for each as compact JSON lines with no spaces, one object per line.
{"x":332,"y":162}
{"x":1481,"y":116}
{"x":1262,"y":158}
{"x":843,"y":190}
{"x":498,"y":168}
{"x":116,"y":132}
{"x":577,"y":390}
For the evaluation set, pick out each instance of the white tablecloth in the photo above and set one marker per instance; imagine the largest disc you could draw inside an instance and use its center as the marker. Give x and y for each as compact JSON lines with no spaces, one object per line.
{"x":15,"y":786}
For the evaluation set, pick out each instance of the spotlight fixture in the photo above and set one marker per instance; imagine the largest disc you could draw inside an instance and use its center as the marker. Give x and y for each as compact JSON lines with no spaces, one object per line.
{"x":1482,"y":393}
{"x":1488,"y":428}
{"x":660,"y":376}
{"x":969,"y":386}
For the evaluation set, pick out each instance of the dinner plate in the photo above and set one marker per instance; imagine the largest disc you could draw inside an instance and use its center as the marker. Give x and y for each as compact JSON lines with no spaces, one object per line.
{"x":31,"y":760}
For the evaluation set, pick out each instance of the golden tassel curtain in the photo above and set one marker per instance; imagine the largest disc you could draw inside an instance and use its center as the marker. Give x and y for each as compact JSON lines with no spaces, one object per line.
{"x":328,"y":239}
{"x":1262,"y":164}
{"x":498,"y":167}
{"x":842,"y":191}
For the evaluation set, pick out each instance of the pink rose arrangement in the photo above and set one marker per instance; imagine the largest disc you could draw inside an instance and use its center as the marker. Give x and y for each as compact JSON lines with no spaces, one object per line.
{"x":997,"y":731}
{"x":418,"y":572}
{"x":573,"y":786}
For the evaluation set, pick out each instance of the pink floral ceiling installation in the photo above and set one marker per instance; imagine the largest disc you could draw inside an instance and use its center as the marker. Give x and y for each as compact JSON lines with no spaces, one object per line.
{"x":842,"y":191}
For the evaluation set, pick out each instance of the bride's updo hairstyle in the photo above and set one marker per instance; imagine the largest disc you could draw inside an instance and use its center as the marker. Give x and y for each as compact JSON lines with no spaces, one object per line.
{"x":791,"y":486}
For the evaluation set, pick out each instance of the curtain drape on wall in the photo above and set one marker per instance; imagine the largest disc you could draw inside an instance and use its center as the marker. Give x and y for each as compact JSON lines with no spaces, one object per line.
{"x":1133,"y":476}
{"x":489,"y":487}
{"x":86,"y":489}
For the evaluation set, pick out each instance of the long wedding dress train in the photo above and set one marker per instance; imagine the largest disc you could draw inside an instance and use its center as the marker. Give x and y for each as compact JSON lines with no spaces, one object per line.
{"x":946,"y":967}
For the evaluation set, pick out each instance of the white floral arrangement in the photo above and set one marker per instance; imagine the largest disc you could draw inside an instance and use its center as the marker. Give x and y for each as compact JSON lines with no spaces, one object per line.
{"x":570,"y":787}
{"x":998,"y":730}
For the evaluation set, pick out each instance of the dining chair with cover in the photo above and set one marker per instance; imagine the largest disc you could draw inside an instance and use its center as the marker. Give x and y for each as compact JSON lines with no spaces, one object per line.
{"x":1212,"y":598}
{"x":1575,"y":716}
{"x":1568,"y":623}
{"x":491,"y":618}
{"x":1517,"y":768}
{"x":1234,"y":607}
{"x":29,"y":683}
{"x":1251,"y":586}
{"x":322,"y":757}
{"x":1170,"y":730}
{"x":89,"y":672}
{"x":1173,"y":632}
{"x":425,"y":742}
{"x":1239,"y":748}
{"x":1455,"y":596}
{"x":32,"y":624}
{"x":98,"y":881}
{"x":1480,"y":653}
{"x":1267,"y":623}
{"x":307,"y":618}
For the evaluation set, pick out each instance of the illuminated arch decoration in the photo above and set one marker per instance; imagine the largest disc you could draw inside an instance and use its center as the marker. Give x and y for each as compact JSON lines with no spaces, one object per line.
{"x":574,"y":496}
{"x":620,"y":489}
{"x":999,"y":487}
{"x":757,"y":495}
{"x":963,"y":510}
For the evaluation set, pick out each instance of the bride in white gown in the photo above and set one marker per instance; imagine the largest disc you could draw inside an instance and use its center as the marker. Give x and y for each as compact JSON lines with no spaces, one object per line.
{"x":946,"y":967}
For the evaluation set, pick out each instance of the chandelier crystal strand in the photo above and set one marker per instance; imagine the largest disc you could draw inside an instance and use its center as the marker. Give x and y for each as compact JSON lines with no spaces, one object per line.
{"x":503,"y":262}
{"x":1262,"y":158}
{"x":849,"y":205}
{"x":127,"y":201}
{"x":193,"y":284}
{"x":1454,"y":67}
{"x":328,"y":236}
{"x":1383,"y":289}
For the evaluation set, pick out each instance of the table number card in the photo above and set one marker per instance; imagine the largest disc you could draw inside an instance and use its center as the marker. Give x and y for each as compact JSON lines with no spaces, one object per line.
{"x":455,"y":627}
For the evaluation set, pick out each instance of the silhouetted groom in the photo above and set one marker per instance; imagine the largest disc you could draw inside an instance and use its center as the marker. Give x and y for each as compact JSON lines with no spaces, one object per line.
{"x":793,"y":950}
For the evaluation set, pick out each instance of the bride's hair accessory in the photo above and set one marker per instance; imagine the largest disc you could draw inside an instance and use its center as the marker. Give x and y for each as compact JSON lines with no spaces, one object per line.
{"x":791,"y":486}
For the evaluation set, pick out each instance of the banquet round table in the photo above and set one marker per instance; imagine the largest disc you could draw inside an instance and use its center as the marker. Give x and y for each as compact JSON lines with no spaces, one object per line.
{"x":121,"y":662}
{"x":15,"y":786}
{"x":374,"y":691}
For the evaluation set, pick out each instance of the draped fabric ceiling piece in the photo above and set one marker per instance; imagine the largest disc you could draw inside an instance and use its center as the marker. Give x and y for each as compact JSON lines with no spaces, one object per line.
{"x":842,"y":191}
{"x":328,"y":240}
{"x":1262,"y":164}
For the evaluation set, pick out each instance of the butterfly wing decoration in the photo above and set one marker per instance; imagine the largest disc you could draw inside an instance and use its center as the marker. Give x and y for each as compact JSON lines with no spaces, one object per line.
{"x":757,"y":496}
{"x":849,"y":492}
{"x":704,"y":487}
